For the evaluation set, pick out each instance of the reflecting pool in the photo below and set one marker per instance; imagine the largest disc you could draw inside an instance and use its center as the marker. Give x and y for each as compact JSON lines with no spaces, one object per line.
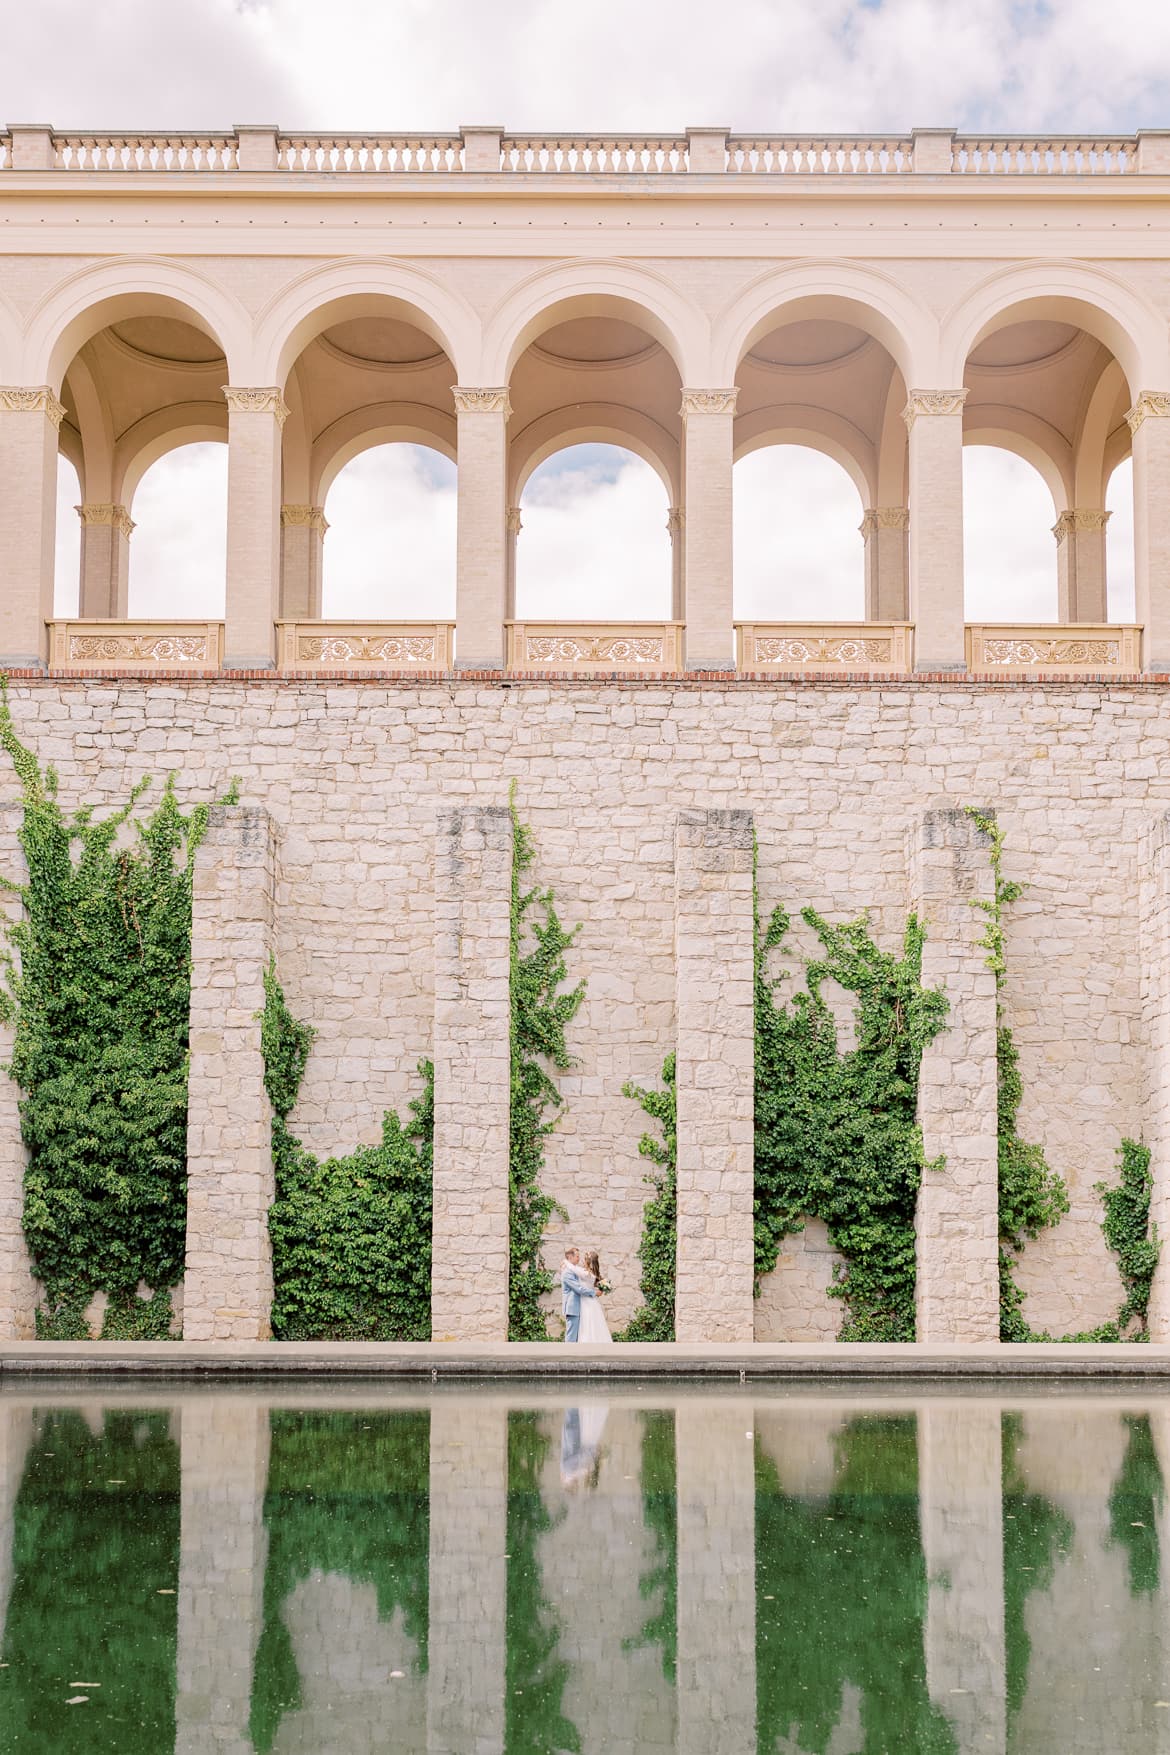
{"x":759,"y":1572}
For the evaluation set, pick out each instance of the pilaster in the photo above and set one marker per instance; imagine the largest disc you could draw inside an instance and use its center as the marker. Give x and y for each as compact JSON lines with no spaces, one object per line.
{"x":30,"y":418}
{"x":885,"y":533}
{"x":715,"y":1083}
{"x":934,"y":420}
{"x":481,"y":537}
{"x":1155,"y":991}
{"x":514,"y":523}
{"x":105,"y":559}
{"x":1080,"y":564}
{"x":472,"y":1051}
{"x":302,"y":561}
{"x":255,"y":420}
{"x":18,"y":1289}
{"x":716,"y":1579}
{"x":1149,"y":423}
{"x":708,"y":418}
{"x":957,"y":1223}
{"x":228,"y":1286}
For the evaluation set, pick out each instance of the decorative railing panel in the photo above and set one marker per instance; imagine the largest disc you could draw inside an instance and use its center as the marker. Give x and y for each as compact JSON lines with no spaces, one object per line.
{"x":595,"y":646}
{"x":365,"y":645}
{"x":145,"y":152}
{"x":832,"y":647}
{"x":594,"y":154}
{"x":1075,"y":648}
{"x":1052,"y":157}
{"x":118,"y":645}
{"x":410,"y":153}
{"x":794,"y":156}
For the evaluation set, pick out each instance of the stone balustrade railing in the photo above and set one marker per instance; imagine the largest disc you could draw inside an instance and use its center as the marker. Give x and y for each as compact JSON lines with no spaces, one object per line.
{"x":595,"y":646}
{"x":135,"y":645}
{"x":931,"y":151}
{"x":365,"y":645}
{"x":832,"y":647}
{"x":1085,"y":649}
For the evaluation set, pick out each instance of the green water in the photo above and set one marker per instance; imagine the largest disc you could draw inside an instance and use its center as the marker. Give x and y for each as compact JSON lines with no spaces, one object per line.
{"x":750,"y":1573}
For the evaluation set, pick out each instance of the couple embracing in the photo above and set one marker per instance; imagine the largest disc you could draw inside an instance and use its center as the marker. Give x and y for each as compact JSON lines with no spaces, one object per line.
{"x":581,"y":1289}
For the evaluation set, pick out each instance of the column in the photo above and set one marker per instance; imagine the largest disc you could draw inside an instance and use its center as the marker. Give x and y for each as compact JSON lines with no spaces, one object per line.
{"x":302,"y":558}
{"x":255,"y":419}
{"x":223,"y":1549}
{"x":960,"y":1498}
{"x":708,"y":418}
{"x":105,"y":559}
{"x":676,"y":526}
{"x":472,"y":1050}
{"x":716,"y":1577}
{"x":957,"y":1224}
{"x":715,"y":1083}
{"x":1149,"y":422}
{"x":466,"y":1644}
{"x":29,"y":423}
{"x":1155,"y":991}
{"x":227,"y":1294}
{"x":884,"y":531}
{"x":1080,"y":565}
{"x":18,"y":1289}
{"x":514,"y":523}
{"x":481,"y":540}
{"x":934,"y":420}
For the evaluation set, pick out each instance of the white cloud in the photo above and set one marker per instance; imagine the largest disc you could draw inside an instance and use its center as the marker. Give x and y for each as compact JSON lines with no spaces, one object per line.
{"x":798,"y":550}
{"x":594,"y":543}
{"x":1009,"y":551}
{"x":178,"y":549}
{"x":67,"y":572}
{"x":390,"y":548}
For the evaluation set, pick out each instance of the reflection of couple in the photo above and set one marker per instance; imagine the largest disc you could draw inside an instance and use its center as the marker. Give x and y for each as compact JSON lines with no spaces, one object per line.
{"x":581,"y":1298}
{"x":581,"y":1445}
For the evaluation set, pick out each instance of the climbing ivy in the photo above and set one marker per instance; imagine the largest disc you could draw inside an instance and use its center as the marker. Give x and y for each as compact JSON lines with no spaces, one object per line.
{"x":836,"y":1133}
{"x":351,"y":1237}
{"x":98,"y":993}
{"x":539,"y":1014}
{"x":658,"y":1250}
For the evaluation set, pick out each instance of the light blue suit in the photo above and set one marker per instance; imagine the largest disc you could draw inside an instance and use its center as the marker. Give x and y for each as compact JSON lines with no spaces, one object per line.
{"x":573,"y":1289}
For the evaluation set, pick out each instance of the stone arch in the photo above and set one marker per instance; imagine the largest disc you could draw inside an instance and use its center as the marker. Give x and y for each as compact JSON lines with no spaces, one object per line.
{"x":157,"y":434}
{"x":594,"y":423}
{"x":363,"y":287}
{"x":817,"y":430}
{"x":1105,"y":437}
{"x":865,"y":297}
{"x":1094,"y":299}
{"x":1032,"y":440}
{"x":596,"y":289}
{"x":93,"y":298}
{"x":382,"y":423}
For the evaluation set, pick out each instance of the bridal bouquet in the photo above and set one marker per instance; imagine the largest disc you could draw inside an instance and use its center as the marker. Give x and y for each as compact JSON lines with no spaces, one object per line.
{"x":604,"y":1286}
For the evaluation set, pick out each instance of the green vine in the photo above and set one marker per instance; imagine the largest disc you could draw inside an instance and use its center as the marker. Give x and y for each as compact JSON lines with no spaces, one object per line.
{"x":351,"y":1237}
{"x":539,"y":1014}
{"x":98,"y":992}
{"x":837,"y":1136}
{"x":658,"y":1250}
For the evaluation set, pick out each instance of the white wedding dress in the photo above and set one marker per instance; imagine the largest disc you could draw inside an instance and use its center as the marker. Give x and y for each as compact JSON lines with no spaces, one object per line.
{"x":594,"y":1327}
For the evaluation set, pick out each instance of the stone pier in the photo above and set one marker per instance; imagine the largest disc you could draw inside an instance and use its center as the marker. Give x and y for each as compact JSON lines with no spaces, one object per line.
{"x":228,"y":1284}
{"x":18,"y":1291}
{"x":473,"y":879}
{"x":715,"y":1025}
{"x":957,"y":1219}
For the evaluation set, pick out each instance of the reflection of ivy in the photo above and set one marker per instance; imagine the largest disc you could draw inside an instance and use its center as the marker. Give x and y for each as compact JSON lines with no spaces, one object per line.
{"x":1134,"y":1504}
{"x":660,"y":1515}
{"x":535,"y":1677}
{"x":841,"y":1598}
{"x":95,"y":1540}
{"x":348,"y":1494}
{"x":1035,"y":1532}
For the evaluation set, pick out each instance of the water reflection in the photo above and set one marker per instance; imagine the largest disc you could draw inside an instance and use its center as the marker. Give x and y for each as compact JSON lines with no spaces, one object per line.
{"x":702,"y":1574}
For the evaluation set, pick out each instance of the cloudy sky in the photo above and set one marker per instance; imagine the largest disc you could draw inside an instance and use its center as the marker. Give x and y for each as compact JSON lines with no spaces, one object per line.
{"x":780,"y":65}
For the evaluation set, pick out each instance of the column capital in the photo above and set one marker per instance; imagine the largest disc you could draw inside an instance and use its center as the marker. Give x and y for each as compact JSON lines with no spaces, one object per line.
{"x":98,"y":512}
{"x":884,"y":518}
{"x":676,"y":518}
{"x":513,"y":523}
{"x":31,"y":399}
{"x":1077,"y":518}
{"x":1149,"y":405}
{"x":310,"y":517}
{"x":492,"y":400}
{"x":708,"y":402}
{"x":267,"y":400}
{"x":931,"y":402}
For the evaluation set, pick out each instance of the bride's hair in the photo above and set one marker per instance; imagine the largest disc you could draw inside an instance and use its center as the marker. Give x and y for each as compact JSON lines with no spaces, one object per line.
{"x":592,"y":1264}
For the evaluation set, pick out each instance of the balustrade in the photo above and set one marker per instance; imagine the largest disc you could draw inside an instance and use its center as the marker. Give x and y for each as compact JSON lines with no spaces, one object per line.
{"x":841,"y":647}
{"x":824,"y":156}
{"x":135,"y":645}
{"x":1074,"y":648}
{"x":594,"y":154}
{"x":393,"y":153}
{"x":1057,"y":156}
{"x":145,"y":152}
{"x":595,"y":646}
{"x":365,"y":645}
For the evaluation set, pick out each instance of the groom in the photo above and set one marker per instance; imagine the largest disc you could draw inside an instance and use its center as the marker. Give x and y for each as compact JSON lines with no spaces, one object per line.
{"x":573,"y":1289}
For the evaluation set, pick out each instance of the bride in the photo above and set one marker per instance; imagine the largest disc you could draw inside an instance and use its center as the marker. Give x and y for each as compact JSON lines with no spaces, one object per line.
{"x":594,"y":1327}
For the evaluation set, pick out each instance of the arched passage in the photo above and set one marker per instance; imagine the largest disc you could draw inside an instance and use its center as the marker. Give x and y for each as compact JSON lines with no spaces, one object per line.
{"x":67,"y":569}
{"x":594,"y":543}
{"x":178,"y":553}
{"x":799,"y":554}
{"x":1009,"y":556}
{"x":389,"y":554}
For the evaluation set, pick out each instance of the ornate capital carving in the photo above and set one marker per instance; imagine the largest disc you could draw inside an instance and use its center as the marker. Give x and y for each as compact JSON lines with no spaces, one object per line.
{"x":876,"y":518}
{"x":490,"y":401}
{"x":513,"y":522}
{"x":708,"y":402}
{"x":924,"y":402}
{"x":33,"y":399}
{"x":676,"y":519}
{"x":1150,"y":405}
{"x":95,"y":512}
{"x":241,"y":400}
{"x":1079,"y":518}
{"x":301,"y":517}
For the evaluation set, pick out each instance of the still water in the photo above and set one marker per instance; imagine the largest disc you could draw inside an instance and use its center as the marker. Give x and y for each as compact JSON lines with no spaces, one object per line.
{"x":466,"y":1573}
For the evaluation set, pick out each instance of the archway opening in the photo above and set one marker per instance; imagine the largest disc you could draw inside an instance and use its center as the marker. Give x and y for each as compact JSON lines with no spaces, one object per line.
{"x":1009,"y":555}
{"x":1119,"y":543}
{"x":67,"y":564}
{"x":178,"y":552}
{"x":390,"y":547}
{"x":595,"y":542}
{"x":799,"y":554}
